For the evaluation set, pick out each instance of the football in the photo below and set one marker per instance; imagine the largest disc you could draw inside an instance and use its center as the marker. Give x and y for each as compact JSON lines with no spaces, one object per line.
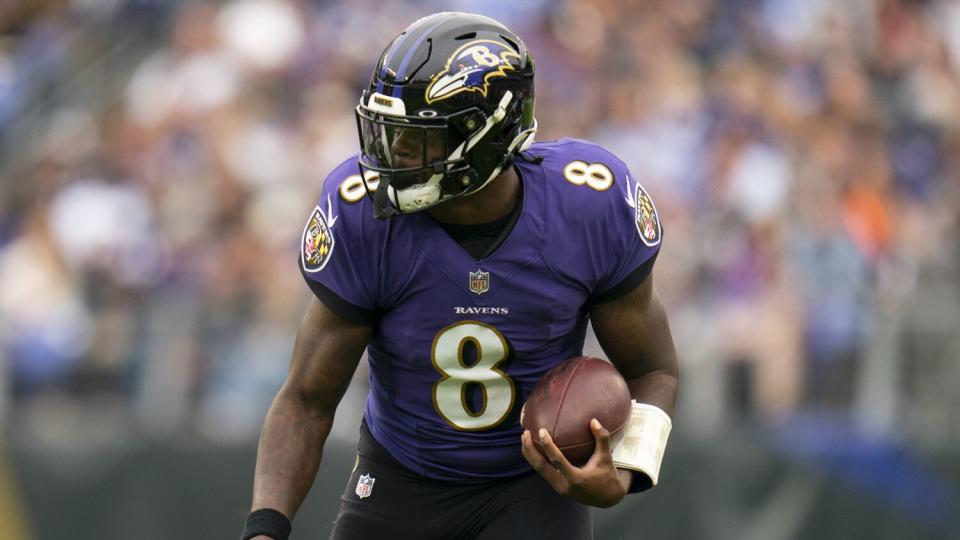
{"x":568,"y":396}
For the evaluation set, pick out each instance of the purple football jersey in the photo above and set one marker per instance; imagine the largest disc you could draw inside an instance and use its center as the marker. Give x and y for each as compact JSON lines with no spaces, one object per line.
{"x":460,"y":343}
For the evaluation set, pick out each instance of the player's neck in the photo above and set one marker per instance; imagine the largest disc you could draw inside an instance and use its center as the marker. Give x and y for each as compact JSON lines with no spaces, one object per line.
{"x":495,"y":200}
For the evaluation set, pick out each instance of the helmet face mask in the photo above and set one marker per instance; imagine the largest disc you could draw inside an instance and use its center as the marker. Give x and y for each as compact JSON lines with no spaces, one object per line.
{"x":449,"y":126}
{"x":414,"y":156}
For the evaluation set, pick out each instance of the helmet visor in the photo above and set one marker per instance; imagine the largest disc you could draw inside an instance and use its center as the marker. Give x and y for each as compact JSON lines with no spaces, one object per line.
{"x":409,"y":149}
{"x":401,"y":148}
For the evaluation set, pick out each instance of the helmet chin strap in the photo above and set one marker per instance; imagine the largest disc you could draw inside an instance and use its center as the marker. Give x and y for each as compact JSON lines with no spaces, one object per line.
{"x":383,"y":209}
{"x":416,"y":198}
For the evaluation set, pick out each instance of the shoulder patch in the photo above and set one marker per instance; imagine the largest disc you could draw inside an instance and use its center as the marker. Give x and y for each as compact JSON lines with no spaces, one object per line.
{"x":647,"y":219}
{"x":648,"y":222}
{"x":316,"y":248}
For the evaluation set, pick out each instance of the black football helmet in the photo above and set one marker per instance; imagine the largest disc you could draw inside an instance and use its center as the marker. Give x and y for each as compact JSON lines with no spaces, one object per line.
{"x":450,"y":103}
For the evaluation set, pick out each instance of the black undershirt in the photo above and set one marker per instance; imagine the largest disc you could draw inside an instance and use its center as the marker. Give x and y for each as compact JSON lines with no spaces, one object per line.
{"x":483,"y":239}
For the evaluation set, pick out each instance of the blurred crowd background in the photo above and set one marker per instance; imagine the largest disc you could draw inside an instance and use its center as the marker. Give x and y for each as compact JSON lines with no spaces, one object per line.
{"x":158,"y":160}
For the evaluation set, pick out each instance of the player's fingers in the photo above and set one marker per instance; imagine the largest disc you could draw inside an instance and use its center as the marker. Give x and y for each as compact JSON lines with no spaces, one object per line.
{"x":602,"y":456}
{"x":602,"y":436}
{"x":532,"y":455}
{"x":555,"y":456}
{"x":540,"y":464}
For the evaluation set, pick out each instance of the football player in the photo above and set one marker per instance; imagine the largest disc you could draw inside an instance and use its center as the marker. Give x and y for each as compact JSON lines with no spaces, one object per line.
{"x":467,"y":260}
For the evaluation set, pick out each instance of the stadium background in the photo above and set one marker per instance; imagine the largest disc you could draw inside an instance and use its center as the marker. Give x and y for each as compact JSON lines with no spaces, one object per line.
{"x":158,"y":158}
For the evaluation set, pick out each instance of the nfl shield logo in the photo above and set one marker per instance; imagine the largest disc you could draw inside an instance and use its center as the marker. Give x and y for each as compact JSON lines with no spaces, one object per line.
{"x":365,"y":486}
{"x":479,"y":281}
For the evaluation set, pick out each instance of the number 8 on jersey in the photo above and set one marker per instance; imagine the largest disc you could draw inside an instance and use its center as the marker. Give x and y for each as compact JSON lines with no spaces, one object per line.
{"x":450,"y":392}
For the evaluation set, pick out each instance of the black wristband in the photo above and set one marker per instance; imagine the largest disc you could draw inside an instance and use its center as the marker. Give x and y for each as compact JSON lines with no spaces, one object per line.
{"x":639,"y":482}
{"x":268,"y":522}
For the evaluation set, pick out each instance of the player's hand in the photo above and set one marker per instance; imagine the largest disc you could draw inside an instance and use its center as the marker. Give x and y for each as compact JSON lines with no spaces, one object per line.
{"x":598,"y":483}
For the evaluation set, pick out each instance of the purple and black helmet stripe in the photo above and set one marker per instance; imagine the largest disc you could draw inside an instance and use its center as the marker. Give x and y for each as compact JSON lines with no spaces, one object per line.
{"x":407,"y":45}
{"x":406,"y":59}
{"x":386,"y":61}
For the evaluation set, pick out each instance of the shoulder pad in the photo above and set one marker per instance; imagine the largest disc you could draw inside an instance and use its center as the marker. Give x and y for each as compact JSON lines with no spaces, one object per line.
{"x":591,"y":184}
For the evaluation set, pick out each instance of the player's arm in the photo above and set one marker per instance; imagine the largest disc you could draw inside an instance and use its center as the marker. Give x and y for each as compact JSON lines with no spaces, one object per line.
{"x":634,"y":332}
{"x":325,"y":356}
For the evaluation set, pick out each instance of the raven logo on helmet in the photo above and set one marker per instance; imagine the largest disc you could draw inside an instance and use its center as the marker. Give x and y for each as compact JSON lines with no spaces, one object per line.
{"x":470,"y":68}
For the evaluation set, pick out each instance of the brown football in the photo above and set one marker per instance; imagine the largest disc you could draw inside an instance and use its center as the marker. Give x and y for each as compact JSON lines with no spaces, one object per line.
{"x":568,"y":396}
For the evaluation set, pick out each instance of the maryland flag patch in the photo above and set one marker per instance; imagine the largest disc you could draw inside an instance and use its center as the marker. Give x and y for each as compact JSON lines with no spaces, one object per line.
{"x":648,"y":222}
{"x":317,"y":245}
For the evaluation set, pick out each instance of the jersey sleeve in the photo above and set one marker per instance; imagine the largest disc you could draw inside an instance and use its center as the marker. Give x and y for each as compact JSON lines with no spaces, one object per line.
{"x":337,"y":255}
{"x":632,"y":233}
{"x":604,"y":230}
